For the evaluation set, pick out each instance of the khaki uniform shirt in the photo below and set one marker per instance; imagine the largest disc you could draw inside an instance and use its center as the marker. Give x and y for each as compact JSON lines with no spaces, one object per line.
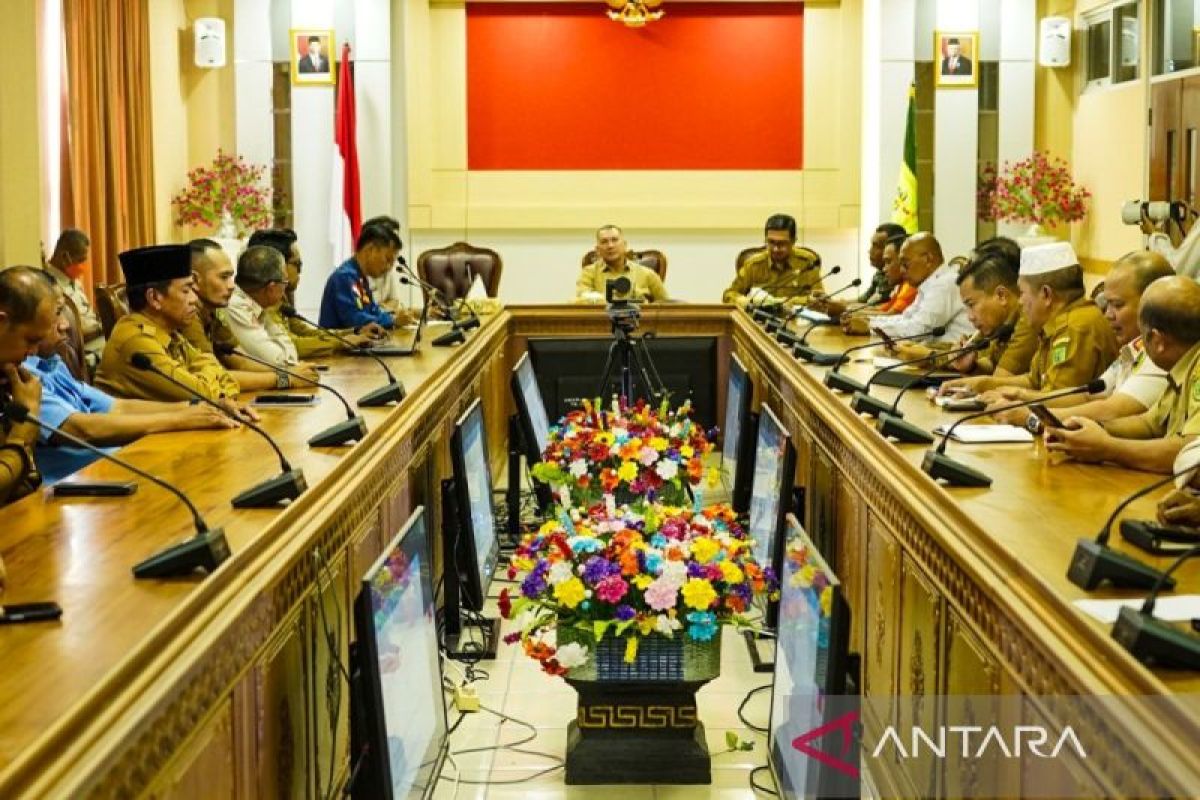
{"x":1177,"y":412}
{"x":171,"y":353}
{"x":88,"y":317}
{"x":1014,"y":354}
{"x":260,"y":334}
{"x":310,"y":342}
{"x":647,"y":286}
{"x":1074,"y":347}
{"x":792,"y":283}
{"x":210,"y":326}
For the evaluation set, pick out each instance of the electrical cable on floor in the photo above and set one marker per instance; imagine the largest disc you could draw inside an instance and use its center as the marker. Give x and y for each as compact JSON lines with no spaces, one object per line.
{"x":457,"y":774}
{"x":741,"y":712}
{"x":758,"y":787}
{"x":512,"y":747}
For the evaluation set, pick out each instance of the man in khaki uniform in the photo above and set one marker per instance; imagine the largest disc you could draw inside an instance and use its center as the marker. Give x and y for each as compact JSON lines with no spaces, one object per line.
{"x":782,"y":273}
{"x":209,"y":331}
{"x":310,"y":341}
{"x":612,"y":262}
{"x":1169,"y":318}
{"x":1075,"y":344}
{"x":162,"y":301}
{"x":67,"y":266}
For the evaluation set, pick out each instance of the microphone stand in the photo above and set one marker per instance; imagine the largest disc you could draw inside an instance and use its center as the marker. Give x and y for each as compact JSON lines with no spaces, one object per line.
{"x":784,"y":336}
{"x":288,"y":485}
{"x":1151,"y":640}
{"x":835,"y":380}
{"x":206,"y":550}
{"x":392,"y":392}
{"x":354,"y":428}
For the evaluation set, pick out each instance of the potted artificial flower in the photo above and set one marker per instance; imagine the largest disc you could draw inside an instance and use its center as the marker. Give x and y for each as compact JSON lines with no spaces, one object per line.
{"x":1037,"y":191}
{"x":228,"y":196}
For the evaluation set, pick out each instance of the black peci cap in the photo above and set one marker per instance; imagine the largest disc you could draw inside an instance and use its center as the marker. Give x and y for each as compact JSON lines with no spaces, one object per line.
{"x":161,"y":262}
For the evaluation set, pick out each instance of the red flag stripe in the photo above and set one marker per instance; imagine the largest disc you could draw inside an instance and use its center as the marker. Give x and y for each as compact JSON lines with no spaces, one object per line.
{"x":345,"y":127}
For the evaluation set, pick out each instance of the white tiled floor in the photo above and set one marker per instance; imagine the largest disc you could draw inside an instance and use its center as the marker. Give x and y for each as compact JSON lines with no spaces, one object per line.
{"x":517,"y":687}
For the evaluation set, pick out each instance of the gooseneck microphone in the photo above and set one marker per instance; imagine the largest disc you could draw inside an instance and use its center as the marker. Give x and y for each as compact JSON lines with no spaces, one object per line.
{"x":1094,"y":562}
{"x":206,"y":550}
{"x":288,"y":485}
{"x":392,"y":392}
{"x":835,"y":380}
{"x":453,"y":336}
{"x":1151,"y":640}
{"x":770,"y":312}
{"x":939,"y":465}
{"x":786,"y":337}
{"x":353,"y":429}
{"x":863,"y":403}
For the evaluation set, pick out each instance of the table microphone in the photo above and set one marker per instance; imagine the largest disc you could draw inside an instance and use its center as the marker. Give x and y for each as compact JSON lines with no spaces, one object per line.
{"x":784,"y":336}
{"x":207,"y":549}
{"x":393,"y":391}
{"x":453,"y":336}
{"x":835,"y":380}
{"x":288,"y":485}
{"x":863,"y":403}
{"x":769,"y":313}
{"x":1094,"y":562}
{"x":1151,"y":640}
{"x":939,"y":465}
{"x":352,"y":430}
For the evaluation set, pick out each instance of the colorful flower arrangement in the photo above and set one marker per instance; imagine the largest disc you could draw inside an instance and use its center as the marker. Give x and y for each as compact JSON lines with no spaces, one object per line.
{"x":657,"y":571}
{"x":634,"y":452}
{"x":1037,"y":190}
{"x":231,"y":188}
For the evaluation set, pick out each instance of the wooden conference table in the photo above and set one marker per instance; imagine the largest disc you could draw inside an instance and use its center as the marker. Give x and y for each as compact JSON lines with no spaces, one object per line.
{"x":221,"y":687}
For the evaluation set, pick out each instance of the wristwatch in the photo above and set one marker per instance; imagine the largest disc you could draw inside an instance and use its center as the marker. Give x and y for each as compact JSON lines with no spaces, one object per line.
{"x":1033,"y":424}
{"x":281,"y":380}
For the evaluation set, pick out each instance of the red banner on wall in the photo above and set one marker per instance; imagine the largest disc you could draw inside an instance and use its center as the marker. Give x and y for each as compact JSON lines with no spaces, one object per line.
{"x":554,"y":86}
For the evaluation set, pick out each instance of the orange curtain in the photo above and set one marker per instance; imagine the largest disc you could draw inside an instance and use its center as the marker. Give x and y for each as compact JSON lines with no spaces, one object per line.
{"x":111,"y":178}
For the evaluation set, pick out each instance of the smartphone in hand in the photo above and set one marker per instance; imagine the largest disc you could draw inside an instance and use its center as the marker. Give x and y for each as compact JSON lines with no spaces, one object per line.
{"x":1046,"y":416}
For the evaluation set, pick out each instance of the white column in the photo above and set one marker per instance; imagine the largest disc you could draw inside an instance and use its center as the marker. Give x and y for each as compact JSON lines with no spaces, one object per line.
{"x":255,"y":120}
{"x":956,"y":142}
{"x":373,"y":81}
{"x":1018,"y":54}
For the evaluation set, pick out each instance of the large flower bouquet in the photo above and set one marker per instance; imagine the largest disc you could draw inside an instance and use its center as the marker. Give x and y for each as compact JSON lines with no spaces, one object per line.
{"x":634,"y":452}
{"x":1037,"y":190}
{"x":664,"y":571}
{"x":231,"y":189}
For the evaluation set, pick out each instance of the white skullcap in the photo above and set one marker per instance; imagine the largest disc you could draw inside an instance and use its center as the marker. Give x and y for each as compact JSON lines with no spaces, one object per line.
{"x":1039,"y":259}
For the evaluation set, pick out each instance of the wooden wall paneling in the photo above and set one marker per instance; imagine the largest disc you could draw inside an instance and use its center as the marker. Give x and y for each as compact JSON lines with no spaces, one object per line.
{"x":281,"y":677}
{"x":850,"y":529}
{"x":205,"y":767}
{"x":1165,"y":139}
{"x":921,"y":623}
{"x":1075,"y":781}
{"x":880,"y":624}
{"x":973,"y":673}
{"x":329,"y":708}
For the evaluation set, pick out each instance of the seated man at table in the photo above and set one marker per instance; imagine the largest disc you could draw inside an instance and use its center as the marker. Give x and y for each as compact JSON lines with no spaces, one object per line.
{"x":67,"y":265}
{"x":162,"y":301}
{"x":1075,"y":344}
{"x":96,"y":417}
{"x":780,"y":274}
{"x":1169,"y":318}
{"x":937,"y":303}
{"x":27,"y":315}
{"x":387,"y":288}
{"x":210,"y":332}
{"x":613,"y":262}
{"x":901,"y":294}
{"x":879,"y":289}
{"x":310,"y":341}
{"x":347,"y":301}
{"x":260,"y":285}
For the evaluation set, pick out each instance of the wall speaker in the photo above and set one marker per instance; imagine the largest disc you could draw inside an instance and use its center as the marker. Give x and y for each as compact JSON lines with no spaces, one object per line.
{"x":1054,"y":42}
{"x":210,"y":42}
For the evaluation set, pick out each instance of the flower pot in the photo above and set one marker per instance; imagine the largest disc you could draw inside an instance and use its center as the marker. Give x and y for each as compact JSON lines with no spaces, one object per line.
{"x":1034,"y":234}
{"x":227,"y":229}
{"x":637,"y":722}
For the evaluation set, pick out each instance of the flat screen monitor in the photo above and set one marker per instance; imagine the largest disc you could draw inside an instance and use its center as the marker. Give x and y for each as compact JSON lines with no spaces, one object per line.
{"x":735,"y":447}
{"x":476,"y":549}
{"x":399,"y":676}
{"x":535,"y":423}
{"x":810,"y":685}
{"x":771,"y":488}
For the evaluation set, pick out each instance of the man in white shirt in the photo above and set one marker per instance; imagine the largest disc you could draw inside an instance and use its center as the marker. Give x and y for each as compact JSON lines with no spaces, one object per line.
{"x":938,"y":302}
{"x":260,"y":285}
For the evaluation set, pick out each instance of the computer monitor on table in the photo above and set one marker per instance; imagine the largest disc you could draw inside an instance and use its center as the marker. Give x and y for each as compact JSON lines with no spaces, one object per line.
{"x":531,"y":430}
{"x":737,"y":446}
{"x":814,"y":687}
{"x":398,"y":717}
{"x":471,"y":547}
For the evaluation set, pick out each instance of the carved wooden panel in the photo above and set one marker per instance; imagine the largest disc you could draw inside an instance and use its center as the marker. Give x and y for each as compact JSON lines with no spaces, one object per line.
{"x":849,"y":517}
{"x":880,"y":620}
{"x":329,"y":709}
{"x":974,"y":674}
{"x":921,"y":621}
{"x":205,"y":767}
{"x":281,"y":680}
{"x":1075,"y":781}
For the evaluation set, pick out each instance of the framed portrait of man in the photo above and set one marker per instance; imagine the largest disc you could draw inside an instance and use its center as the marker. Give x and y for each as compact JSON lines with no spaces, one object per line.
{"x":954,"y":59}
{"x":313,"y":59}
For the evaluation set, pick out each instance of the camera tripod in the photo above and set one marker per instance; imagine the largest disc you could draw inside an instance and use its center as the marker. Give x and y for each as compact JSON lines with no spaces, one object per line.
{"x":630,"y":352}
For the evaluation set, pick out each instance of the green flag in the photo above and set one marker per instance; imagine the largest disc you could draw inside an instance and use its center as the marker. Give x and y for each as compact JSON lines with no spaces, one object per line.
{"x":904,"y":207}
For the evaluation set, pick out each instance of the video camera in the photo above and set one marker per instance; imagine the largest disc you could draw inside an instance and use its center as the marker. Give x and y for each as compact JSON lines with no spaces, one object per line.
{"x":621,"y":310}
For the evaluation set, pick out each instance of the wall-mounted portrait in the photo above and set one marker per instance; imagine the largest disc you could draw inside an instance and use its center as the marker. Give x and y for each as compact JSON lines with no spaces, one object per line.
{"x":954,"y":57}
{"x":312,"y":57}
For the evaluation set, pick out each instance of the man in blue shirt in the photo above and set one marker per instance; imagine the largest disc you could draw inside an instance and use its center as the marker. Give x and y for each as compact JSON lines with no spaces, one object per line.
{"x":94,"y":416}
{"x":348,"y":301}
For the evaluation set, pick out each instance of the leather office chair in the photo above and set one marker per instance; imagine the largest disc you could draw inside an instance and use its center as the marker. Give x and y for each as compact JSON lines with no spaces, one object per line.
{"x":70,"y":349}
{"x":111,"y":304}
{"x":453,"y":269}
{"x":654,"y":259}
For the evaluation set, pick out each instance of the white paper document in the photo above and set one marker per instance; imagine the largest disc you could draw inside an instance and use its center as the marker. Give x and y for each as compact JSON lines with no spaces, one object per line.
{"x":1171,"y":608}
{"x":985,"y":434}
{"x":814,"y":316}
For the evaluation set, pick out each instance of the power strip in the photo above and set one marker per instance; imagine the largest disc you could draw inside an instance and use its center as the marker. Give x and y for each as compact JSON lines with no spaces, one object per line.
{"x":466,"y":699}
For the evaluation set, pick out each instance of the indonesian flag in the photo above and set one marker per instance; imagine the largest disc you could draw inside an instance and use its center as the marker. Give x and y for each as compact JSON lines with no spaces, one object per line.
{"x":346,"y":206}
